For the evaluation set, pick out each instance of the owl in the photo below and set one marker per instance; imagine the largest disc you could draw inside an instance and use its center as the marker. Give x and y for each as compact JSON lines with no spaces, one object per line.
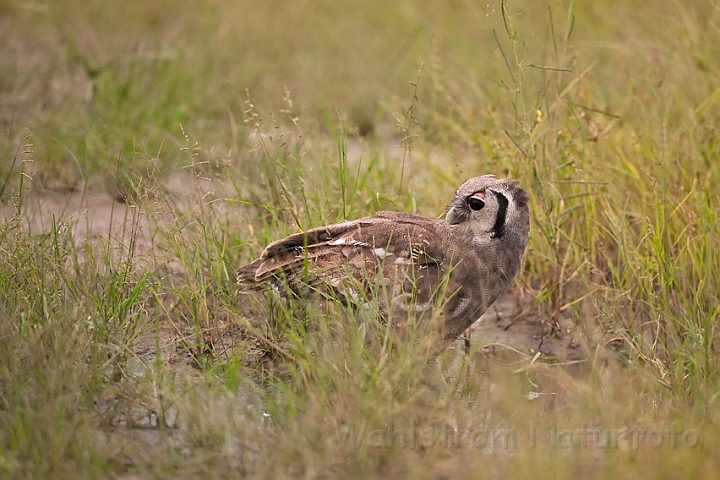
{"x":409,"y":264}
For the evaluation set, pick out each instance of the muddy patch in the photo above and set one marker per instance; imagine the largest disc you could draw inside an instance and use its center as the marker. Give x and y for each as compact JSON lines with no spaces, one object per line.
{"x":88,"y":213}
{"x":512,"y":322}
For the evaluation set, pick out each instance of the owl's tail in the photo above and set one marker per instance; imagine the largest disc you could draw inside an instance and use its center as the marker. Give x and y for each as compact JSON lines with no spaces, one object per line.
{"x":246,"y":276}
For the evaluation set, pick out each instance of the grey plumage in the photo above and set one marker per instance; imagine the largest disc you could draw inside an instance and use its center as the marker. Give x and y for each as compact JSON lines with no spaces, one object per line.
{"x":477,"y":248}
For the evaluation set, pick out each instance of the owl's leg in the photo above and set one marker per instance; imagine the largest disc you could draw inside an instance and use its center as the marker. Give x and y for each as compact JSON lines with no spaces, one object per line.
{"x":466,"y":341}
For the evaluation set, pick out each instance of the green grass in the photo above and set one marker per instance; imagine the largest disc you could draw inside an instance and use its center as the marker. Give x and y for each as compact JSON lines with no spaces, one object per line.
{"x":127,"y":351}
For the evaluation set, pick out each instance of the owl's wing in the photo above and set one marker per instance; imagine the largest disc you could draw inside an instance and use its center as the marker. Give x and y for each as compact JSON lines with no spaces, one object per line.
{"x":354,"y":247}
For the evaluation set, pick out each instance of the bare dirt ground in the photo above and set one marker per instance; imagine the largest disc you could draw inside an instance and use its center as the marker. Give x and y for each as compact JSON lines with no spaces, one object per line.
{"x":510,"y":323}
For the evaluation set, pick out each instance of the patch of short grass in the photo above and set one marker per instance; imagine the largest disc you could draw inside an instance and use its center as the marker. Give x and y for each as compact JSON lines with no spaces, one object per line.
{"x":215,"y":128}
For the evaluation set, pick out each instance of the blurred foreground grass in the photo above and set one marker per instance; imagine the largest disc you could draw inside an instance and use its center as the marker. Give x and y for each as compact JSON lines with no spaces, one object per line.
{"x":219,"y":126}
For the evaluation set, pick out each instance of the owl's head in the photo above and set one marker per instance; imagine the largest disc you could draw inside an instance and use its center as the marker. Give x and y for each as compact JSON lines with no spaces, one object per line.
{"x":490,"y":208}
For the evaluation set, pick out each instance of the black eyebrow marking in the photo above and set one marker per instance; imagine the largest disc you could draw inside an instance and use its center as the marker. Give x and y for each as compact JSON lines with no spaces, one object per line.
{"x":498,"y":229}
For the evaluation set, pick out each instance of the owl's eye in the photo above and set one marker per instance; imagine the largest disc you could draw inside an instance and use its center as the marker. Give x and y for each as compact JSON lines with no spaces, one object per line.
{"x":476,"y":203}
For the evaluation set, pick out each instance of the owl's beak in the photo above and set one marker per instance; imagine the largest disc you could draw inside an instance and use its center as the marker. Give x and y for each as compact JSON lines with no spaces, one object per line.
{"x":455,"y":216}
